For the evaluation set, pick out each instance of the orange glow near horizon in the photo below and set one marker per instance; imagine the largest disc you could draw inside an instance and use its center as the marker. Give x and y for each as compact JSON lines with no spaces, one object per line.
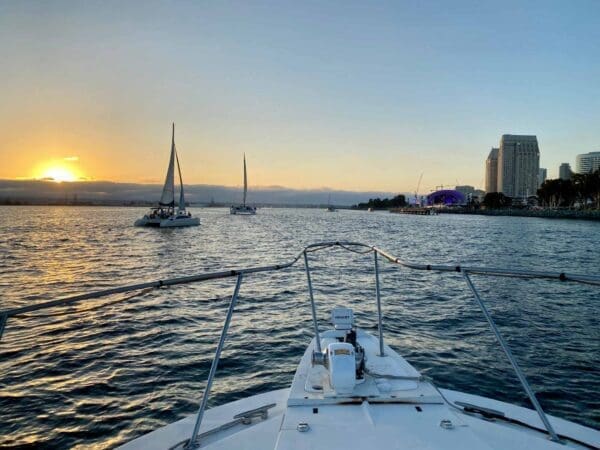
{"x":58,"y":172}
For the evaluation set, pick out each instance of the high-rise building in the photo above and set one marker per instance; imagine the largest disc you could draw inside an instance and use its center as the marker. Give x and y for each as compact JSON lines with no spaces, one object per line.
{"x":542,"y":175}
{"x":587,"y":162}
{"x":491,"y":171}
{"x":564,"y":171}
{"x":518,"y":165}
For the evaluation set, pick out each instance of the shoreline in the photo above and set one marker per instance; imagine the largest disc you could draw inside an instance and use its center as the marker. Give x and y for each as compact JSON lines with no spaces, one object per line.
{"x":593,"y":214}
{"x":153,"y":204}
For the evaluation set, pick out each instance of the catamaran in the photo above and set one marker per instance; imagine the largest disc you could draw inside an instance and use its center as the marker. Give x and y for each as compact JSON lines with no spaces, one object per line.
{"x":164,"y":215}
{"x":351,"y":390}
{"x":243,"y":209}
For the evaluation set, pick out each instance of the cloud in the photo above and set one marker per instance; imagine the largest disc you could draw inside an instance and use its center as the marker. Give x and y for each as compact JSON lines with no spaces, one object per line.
{"x":198,"y":193}
{"x":72,"y":158}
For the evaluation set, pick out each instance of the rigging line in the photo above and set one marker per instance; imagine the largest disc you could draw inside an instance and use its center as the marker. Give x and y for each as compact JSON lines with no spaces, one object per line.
{"x":363,"y":252}
{"x":588,"y":282}
{"x":337,"y":244}
{"x":319,"y":248}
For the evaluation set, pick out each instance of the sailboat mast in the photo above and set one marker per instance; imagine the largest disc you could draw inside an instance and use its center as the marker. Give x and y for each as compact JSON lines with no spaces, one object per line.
{"x":172,"y":154}
{"x":181,"y":196}
{"x":245,"y":180}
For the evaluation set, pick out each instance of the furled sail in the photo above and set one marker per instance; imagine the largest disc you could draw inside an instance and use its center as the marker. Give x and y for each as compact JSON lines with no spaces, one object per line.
{"x":245,"y":180}
{"x":181,"y":196}
{"x":168,"y":194}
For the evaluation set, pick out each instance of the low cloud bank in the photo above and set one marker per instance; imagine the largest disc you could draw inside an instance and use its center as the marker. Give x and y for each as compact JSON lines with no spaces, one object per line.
{"x":109,"y":192}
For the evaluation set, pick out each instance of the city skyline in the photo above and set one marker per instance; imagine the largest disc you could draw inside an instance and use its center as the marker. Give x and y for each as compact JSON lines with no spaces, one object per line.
{"x":587,"y":162}
{"x":518,"y":165}
{"x":491,"y":171}
{"x":345,"y":96}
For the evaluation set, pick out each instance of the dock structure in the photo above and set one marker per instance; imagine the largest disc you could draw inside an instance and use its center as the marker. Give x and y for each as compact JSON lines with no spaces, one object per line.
{"x":414,"y":210}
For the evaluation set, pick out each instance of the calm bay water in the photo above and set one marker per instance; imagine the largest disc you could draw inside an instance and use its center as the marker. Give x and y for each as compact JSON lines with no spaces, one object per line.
{"x":100,"y":376}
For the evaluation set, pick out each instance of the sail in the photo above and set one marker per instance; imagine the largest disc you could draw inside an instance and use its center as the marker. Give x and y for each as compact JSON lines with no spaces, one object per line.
{"x":168,"y":194}
{"x":245,"y":180}
{"x":181,"y":196}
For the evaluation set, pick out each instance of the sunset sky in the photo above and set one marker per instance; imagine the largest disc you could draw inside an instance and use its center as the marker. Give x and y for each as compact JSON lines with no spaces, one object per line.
{"x":347,"y":95}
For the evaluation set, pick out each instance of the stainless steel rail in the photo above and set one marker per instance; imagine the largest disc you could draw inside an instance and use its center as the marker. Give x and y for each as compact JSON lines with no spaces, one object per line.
{"x":378,"y":296}
{"x":213,"y":368}
{"x":355,"y":247}
{"x":512,"y":360}
{"x":8,"y":313}
{"x":312,"y":304}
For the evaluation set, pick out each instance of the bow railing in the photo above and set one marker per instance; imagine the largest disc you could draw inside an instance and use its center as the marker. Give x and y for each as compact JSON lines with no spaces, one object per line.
{"x":356,"y":247}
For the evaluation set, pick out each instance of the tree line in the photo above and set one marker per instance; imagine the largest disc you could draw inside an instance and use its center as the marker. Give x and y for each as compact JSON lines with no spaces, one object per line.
{"x":583,"y":190}
{"x":377,"y":203}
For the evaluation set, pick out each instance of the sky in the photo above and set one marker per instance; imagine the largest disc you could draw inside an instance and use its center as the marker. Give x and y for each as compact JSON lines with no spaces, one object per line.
{"x":344,"y":95}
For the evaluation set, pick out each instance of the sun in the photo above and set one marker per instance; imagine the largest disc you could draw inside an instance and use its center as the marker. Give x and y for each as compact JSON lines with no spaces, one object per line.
{"x":58,"y":174}
{"x":62,"y":170}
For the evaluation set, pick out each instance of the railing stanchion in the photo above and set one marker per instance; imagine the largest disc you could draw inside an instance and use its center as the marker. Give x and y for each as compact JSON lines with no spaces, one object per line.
{"x":213,"y":368}
{"x":312,"y":303}
{"x":513,"y":361}
{"x":378,"y":294}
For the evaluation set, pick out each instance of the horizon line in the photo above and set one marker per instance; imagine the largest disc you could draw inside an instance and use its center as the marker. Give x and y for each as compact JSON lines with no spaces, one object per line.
{"x":158,"y":184}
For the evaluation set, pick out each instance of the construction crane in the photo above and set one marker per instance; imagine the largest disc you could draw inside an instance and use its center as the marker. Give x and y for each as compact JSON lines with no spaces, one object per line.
{"x":417,"y":202}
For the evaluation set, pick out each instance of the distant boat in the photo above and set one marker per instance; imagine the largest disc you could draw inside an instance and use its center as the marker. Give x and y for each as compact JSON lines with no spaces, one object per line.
{"x":243,"y":209}
{"x":164,"y":215}
{"x":330,"y":207}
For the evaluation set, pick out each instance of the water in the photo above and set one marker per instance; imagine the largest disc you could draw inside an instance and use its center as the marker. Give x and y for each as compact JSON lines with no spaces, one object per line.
{"x":99,"y":377}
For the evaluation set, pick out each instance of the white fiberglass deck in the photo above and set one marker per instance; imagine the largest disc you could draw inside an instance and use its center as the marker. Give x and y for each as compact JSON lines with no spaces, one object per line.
{"x":412,"y":414}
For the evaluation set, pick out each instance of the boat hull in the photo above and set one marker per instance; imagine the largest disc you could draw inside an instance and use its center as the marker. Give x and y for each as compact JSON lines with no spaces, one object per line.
{"x":408,"y":413}
{"x":147,"y":222}
{"x":242,"y":211}
{"x":168,"y":222}
{"x":180,"y":222}
{"x":271,"y":433}
{"x":263,"y":434}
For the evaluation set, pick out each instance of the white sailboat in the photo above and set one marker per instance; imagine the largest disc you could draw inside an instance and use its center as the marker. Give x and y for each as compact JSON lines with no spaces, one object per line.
{"x":243,"y":209}
{"x":164,"y":215}
{"x":330,"y":207}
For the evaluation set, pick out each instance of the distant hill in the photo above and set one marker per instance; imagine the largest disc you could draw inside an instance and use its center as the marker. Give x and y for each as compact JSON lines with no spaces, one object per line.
{"x":105,"y":192}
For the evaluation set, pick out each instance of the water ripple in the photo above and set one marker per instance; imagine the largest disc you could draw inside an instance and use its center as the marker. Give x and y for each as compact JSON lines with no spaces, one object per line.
{"x":101,"y":373}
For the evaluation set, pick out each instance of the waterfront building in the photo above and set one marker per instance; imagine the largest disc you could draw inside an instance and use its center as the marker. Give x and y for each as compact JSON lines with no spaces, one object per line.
{"x":470,"y":193}
{"x":465,"y":190}
{"x":491,"y":171}
{"x":518,"y":165}
{"x":564,"y":171}
{"x":587,"y":162}
{"x":542,"y":175}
